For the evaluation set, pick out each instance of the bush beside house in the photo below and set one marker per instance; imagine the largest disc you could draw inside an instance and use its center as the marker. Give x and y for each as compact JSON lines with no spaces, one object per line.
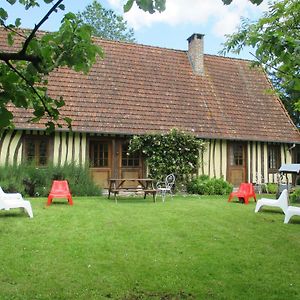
{"x":203,"y":185}
{"x":29,"y":180}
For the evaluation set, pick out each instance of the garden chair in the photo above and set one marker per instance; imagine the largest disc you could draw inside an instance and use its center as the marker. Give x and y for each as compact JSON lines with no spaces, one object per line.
{"x":164,"y":187}
{"x":60,"y":189}
{"x":291,"y":211}
{"x":14,"y":200}
{"x":245,"y":191}
{"x":281,"y":202}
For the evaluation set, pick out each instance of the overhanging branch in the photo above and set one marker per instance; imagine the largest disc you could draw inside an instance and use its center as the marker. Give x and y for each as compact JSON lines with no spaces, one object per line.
{"x":36,"y":27}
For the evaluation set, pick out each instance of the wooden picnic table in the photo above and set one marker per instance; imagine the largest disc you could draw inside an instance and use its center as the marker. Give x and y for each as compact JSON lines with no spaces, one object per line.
{"x":142,"y":184}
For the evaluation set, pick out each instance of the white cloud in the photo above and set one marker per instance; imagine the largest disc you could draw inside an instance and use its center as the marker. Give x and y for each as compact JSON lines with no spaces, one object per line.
{"x":222,"y":18}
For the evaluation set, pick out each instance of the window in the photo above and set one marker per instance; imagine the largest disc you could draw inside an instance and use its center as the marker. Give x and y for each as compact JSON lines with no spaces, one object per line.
{"x":274,"y":158}
{"x":132,"y":160}
{"x":237,"y":155}
{"x":36,"y":150}
{"x":99,"y":154}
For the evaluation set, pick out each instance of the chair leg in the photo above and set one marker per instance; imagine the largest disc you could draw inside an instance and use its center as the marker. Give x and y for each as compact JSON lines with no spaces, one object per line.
{"x":287,"y":218}
{"x":257,"y":207}
{"x":70,"y":200}
{"x":28,"y":209}
{"x":163,"y":195}
{"x":49,"y":200}
{"x":154,"y":197}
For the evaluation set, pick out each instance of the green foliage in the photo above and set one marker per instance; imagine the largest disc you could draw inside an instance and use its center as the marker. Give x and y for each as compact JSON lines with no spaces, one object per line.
{"x":272,"y":188}
{"x":32,"y":181}
{"x":276,"y":38}
{"x":105,"y":23}
{"x":23,"y":73}
{"x":295,"y":196}
{"x":203,"y":185}
{"x":176,"y":152}
{"x":152,"y":6}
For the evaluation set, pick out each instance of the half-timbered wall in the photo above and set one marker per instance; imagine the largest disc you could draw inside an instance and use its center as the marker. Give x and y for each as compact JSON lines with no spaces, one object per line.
{"x":70,"y":147}
{"x":10,"y":147}
{"x":215,"y":160}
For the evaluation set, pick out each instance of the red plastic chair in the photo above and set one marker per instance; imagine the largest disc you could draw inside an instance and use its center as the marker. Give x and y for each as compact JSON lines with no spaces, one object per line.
{"x":60,"y":189}
{"x":245,"y":191}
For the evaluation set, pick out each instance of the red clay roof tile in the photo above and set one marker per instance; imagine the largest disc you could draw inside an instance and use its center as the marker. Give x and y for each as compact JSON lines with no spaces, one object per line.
{"x":139,"y":89}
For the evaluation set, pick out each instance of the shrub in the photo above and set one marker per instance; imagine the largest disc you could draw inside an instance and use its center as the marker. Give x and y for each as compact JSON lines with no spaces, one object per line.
{"x":175,"y":152}
{"x":203,"y":185}
{"x":272,"y":188}
{"x":32,"y":181}
{"x":295,"y":196}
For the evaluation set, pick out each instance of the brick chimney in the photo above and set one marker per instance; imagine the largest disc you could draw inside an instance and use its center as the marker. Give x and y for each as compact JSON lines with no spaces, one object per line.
{"x":195,"y":53}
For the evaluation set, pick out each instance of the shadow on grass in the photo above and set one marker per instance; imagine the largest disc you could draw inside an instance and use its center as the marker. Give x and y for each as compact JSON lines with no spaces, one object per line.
{"x":13,"y":214}
{"x":294,"y":221}
{"x":270,"y":211}
{"x":131,"y":200}
{"x":58,"y":203}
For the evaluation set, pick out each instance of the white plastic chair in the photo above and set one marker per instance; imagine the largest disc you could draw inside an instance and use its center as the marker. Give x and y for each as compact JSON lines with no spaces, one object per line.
{"x":281,"y":202}
{"x":166,"y":187}
{"x":291,"y":211}
{"x":14,"y":200}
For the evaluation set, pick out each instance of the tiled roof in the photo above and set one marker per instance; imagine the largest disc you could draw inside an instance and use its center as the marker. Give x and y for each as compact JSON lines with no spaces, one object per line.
{"x":137,"y":89}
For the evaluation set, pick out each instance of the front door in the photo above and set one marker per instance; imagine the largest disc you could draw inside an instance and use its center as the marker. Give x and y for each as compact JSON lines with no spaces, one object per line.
{"x":100,"y":157}
{"x":236,"y":163}
{"x":130,"y":165}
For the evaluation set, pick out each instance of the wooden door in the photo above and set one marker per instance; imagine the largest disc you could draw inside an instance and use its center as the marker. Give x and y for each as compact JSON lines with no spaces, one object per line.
{"x":100,"y":157}
{"x":237,"y":168}
{"x":130,"y":166}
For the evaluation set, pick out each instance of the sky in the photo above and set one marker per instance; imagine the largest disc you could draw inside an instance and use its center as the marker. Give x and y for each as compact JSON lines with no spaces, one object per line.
{"x":169,"y":29}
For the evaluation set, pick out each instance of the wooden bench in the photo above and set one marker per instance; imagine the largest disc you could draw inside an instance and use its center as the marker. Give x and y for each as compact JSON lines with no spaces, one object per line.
{"x":145,"y":185}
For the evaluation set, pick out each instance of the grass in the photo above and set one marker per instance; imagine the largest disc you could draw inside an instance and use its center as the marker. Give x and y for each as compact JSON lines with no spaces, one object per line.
{"x":194,"y":247}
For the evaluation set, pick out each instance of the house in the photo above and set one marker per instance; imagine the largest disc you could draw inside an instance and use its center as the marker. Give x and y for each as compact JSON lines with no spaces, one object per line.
{"x":139,"y":89}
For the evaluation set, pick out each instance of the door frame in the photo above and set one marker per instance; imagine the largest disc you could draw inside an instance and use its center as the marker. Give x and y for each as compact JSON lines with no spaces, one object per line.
{"x":243,"y":167}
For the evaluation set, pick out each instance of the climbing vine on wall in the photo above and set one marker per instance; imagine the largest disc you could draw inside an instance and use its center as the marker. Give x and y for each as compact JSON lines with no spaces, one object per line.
{"x":175,"y":152}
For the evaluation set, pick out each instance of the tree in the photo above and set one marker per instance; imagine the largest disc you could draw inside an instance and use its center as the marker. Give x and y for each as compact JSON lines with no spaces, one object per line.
{"x":276,"y":38}
{"x":23,"y":73}
{"x":106,"y":23}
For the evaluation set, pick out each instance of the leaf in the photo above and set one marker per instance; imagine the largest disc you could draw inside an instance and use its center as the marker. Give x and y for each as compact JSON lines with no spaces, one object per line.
{"x":3,"y":14}
{"x":128,"y":5}
{"x":10,"y":39}
{"x":50,"y":126}
{"x":59,"y":103}
{"x":5,"y":117}
{"x":68,"y":121}
{"x":12,"y":2}
{"x":61,"y":6}
{"x":18,"y":22}
{"x":227,"y":2}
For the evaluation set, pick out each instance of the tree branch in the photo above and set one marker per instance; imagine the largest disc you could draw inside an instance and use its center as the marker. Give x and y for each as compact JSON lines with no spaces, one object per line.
{"x":268,"y":65}
{"x":30,"y":85}
{"x":36,"y":27}
{"x":6,"y":56}
{"x":14,"y":31}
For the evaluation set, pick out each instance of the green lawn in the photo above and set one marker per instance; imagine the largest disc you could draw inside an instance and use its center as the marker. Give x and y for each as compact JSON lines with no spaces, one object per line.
{"x":194,"y":247}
